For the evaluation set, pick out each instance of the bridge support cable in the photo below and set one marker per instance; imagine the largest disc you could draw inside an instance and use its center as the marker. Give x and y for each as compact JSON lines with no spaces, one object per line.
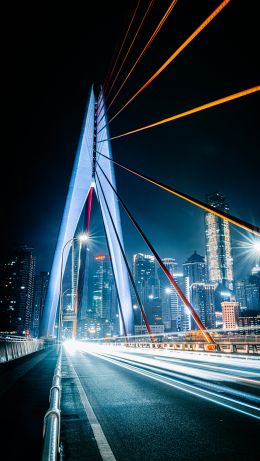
{"x":221,"y":214}
{"x":89,"y":207}
{"x":126,"y":262}
{"x":113,"y":272}
{"x":174,"y":55}
{"x":154,"y":34}
{"x":109,"y":76}
{"x":208,"y":105}
{"x":75,"y":285}
{"x":107,"y":93}
{"x":182,"y":296}
{"x":130,"y":46}
{"x":84,"y":252}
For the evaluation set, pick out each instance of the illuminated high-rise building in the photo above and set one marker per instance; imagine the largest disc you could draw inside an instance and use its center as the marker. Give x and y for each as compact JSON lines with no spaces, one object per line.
{"x":144,"y":273}
{"x":16,"y":291}
{"x":103,"y":283}
{"x":165,"y":290}
{"x":180,"y":316}
{"x":253,"y":289}
{"x":240,"y":293}
{"x":40,"y":290}
{"x":203,"y":301}
{"x":218,"y":244}
{"x":252,"y":296}
{"x":174,"y":313}
{"x":146,"y":281}
{"x":195,"y":268}
{"x":231,"y":312}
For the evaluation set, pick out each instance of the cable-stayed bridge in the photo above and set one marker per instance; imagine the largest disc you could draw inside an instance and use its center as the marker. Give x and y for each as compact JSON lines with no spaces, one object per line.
{"x":177,"y":395}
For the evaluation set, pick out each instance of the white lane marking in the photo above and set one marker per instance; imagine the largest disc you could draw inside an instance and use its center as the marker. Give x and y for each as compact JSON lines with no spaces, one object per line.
{"x":102,"y":443}
{"x":183,"y":387}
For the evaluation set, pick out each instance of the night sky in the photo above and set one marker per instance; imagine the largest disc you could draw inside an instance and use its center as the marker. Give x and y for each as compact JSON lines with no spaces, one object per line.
{"x":54,"y":57}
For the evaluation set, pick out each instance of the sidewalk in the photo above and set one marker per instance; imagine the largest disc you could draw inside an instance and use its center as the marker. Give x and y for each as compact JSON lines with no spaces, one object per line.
{"x":24,"y":400}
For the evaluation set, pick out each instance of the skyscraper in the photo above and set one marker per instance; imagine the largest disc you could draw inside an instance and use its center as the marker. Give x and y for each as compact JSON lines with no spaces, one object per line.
{"x":180,"y":317}
{"x":174,"y":313}
{"x":231,"y":312}
{"x":248,"y":291}
{"x":146,"y":281}
{"x":202,"y":299}
{"x":195,"y":268}
{"x":218,"y":244}
{"x":103,"y":283}
{"x":253,"y":289}
{"x":252,"y":296}
{"x":16,"y":291}
{"x":40,"y":290}
{"x":144,"y":273}
{"x":165,"y":291}
{"x":240,"y":292}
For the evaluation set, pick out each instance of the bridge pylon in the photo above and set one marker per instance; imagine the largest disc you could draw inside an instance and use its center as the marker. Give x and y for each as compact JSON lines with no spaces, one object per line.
{"x":82,"y":180}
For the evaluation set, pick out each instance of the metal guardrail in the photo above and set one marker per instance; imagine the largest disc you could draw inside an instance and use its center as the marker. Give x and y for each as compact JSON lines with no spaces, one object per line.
{"x":14,"y":347}
{"x":236,"y":347}
{"x":51,"y":425}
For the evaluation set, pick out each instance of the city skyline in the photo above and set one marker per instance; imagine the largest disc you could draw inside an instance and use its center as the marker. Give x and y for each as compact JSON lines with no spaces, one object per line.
{"x":130,"y":237}
{"x":99,"y":310}
{"x":213,"y":241}
{"x":181,"y":154}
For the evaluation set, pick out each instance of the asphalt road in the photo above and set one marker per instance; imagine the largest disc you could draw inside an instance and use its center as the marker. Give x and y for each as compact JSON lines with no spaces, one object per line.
{"x":151,"y":406}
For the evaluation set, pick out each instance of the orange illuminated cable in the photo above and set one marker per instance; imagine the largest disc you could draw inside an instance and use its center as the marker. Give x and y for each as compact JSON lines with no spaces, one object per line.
{"x":109,"y":76}
{"x":175,"y":54}
{"x":120,"y":50}
{"x":191,"y":111}
{"x":162,"y":21}
{"x":206,"y":207}
{"x":131,"y":45}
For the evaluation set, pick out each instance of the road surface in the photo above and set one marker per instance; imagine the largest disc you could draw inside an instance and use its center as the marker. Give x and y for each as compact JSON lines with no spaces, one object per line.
{"x":122,"y":404}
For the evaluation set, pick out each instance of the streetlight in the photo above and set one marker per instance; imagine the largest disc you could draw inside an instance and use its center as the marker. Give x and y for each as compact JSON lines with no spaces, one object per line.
{"x":250,"y":249}
{"x":135,"y":307}
{"x":68,"y":289}
{"x":256,"y":247}
{"x":82,"y":238}
{"x":64,"y":292}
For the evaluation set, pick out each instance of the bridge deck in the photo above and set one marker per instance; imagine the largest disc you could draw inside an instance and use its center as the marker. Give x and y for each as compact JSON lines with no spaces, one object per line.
{"x":24,"y":399}
{"x":152,"y":409}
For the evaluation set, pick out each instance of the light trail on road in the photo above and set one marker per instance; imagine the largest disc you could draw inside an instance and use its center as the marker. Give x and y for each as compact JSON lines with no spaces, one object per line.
{"x":213,"y":381}
{"x":153,"y":395}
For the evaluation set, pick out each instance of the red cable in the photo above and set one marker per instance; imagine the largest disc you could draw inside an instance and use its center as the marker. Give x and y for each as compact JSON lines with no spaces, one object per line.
{"x":107,"y":80}
{"x":89,"y":205}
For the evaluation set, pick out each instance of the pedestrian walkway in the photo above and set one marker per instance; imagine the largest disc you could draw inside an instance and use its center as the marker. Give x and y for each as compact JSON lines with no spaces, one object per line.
{"x":77,"y":438}
{"x":24,"y":398}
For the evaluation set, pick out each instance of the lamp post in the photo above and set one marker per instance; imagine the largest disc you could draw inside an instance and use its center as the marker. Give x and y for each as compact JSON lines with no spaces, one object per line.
{"x":81,"y":238}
